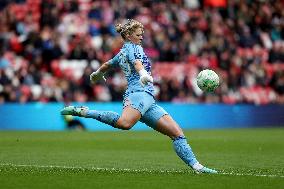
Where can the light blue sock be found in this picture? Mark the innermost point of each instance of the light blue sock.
(184, 151)
(107, 117)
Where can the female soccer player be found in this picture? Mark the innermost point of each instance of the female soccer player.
(139, 103)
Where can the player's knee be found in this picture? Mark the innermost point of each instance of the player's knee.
(124, 124)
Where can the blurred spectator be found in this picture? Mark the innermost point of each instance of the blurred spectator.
(49, 48)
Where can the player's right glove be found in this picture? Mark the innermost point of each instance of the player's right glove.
(97, 75)
(145, 77)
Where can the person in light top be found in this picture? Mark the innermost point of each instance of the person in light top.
(139, 102)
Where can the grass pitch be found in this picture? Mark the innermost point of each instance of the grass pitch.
(246, 158)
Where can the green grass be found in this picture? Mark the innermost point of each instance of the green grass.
(246, 158)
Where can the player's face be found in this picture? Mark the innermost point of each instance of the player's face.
(137, 36)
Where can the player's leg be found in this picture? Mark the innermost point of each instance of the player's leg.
(135, 105)
(108, 117)
(167, 126)
(128, 118)
(157, 118)
(126, 121)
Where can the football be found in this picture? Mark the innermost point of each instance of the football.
(207, 80)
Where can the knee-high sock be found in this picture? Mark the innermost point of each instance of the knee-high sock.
(107, 117)
(184, 151)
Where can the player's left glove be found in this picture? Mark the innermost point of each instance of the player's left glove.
(97, 75)
(145, 77)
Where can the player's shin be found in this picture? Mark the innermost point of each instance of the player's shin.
(107, 117)
(184, 151)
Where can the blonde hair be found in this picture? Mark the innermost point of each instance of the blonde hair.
(128, 28)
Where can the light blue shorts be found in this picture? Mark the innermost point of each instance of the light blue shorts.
(146, 105)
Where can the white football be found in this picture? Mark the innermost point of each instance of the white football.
(207, 80)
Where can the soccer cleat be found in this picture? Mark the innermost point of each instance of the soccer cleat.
(198, 168)
(75, 111)
(206, 170)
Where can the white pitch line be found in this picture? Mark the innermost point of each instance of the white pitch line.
(132, 170)
(250, 174)
(94, 168)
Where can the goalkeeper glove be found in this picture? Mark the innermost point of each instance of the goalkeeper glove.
(145, 77)
(97, 75)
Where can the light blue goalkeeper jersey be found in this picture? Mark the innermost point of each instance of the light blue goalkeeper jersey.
(125, 59)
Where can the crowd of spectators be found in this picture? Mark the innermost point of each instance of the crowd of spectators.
(48, 49)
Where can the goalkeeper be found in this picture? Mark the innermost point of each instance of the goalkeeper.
(139, 103)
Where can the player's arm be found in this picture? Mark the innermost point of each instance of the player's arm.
(99, 74)
(144, 76)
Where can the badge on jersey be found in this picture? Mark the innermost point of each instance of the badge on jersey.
(138, 56)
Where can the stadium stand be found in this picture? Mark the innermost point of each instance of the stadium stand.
(48, 48)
